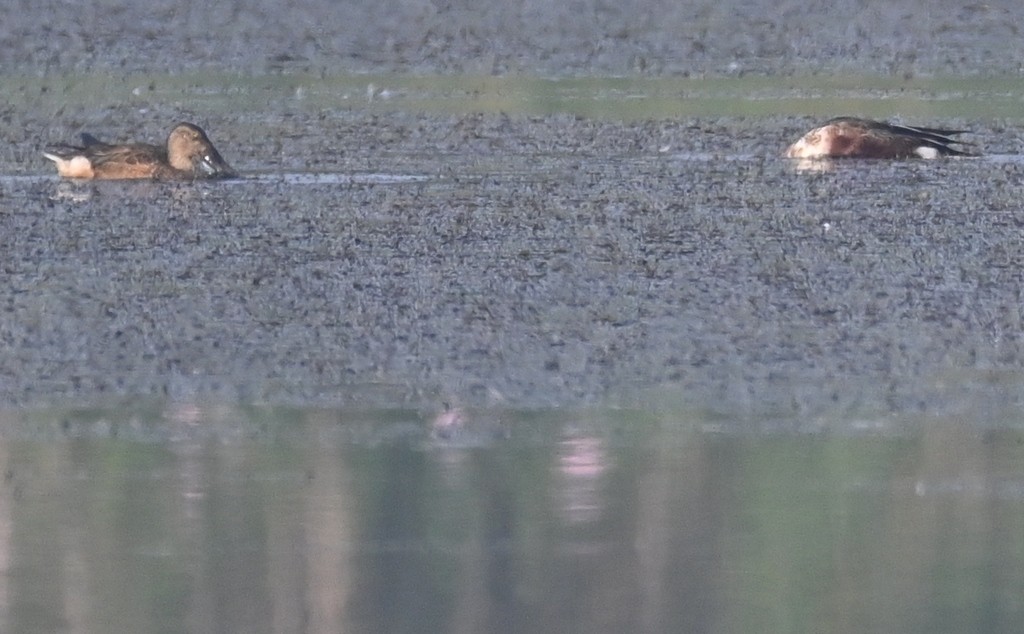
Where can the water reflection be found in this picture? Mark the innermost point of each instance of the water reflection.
(812, 165)
(205, 519)
(72, 191)
(582, 460)
(332, 178)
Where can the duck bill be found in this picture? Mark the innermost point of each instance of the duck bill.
(211, 165)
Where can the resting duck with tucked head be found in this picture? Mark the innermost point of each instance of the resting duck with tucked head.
(849, 137)
(189, 155)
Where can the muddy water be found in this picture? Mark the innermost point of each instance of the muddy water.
(526, 261)
(632, 37)
(562, 348)
(488, 372)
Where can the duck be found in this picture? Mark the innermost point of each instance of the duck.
(851, 137)
(188, 155)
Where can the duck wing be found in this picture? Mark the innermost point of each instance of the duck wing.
(129, 154)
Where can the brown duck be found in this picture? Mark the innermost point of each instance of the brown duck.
(189, 155)
(849, 137)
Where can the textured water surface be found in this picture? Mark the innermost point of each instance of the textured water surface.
(516, 321)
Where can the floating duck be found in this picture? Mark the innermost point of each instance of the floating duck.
(850, 137)
(189, 155)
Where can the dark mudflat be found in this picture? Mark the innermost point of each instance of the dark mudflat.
(523, 260)
(478, 259)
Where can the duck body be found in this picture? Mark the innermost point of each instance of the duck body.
(850, 137)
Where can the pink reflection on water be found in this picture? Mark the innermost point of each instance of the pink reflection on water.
(448, 423)
(582, 461)
(185, 413)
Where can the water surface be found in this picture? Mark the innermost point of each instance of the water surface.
(191, 518)
(533, 352)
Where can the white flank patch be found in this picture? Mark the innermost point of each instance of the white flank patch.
(926, 152)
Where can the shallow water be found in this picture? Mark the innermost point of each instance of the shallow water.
(558, 261)
(658, 390)
(511, 329)
(188, 518)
